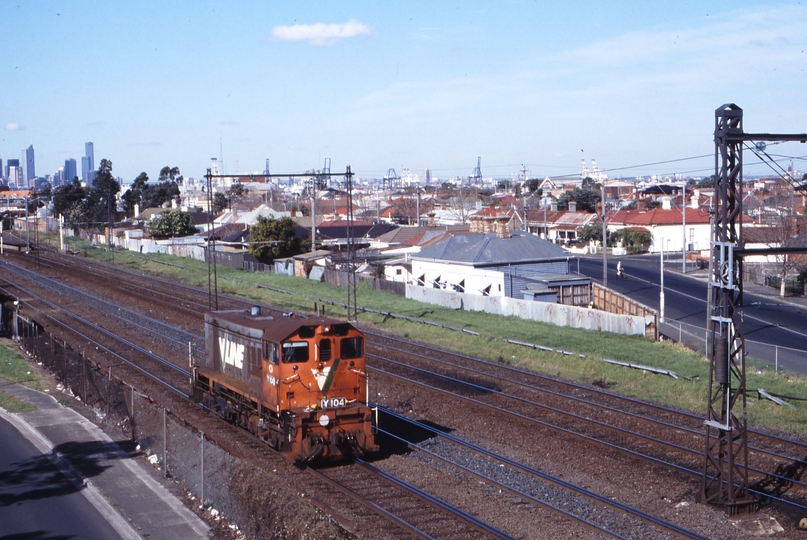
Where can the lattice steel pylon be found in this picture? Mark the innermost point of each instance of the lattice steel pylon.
(725, 471)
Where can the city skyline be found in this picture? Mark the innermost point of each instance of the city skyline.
(415, 86)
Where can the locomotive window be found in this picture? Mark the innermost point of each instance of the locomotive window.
(324, 350)
(340, 329)
(295, 351)
(306, 332)
(270, 351)
(351, 347)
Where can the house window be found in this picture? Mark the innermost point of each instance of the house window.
(398, 271)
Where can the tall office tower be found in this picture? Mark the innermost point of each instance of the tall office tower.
(2, 171)
(11, 163)
(30, 167)
(15, 175)
(69, 170)
(88, 163)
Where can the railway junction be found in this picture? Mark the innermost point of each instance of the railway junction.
(447, 425)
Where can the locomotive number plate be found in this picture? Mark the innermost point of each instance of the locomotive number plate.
(329, 403)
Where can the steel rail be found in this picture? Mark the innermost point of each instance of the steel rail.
(588, 438)
(103, 347)
(577, 386)
(369, 504)
(585, 388)
(536, 473)
(597, 406)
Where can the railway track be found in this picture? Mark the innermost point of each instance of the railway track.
(599, 417)
(487, 376)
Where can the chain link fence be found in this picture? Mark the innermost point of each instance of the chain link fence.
(776, 356)
(180, 451)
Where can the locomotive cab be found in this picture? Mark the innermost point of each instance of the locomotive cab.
(299, 384)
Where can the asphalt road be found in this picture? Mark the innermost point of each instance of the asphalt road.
(775, 331)
(37, 501)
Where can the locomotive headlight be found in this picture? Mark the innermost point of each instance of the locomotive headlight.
(324, 420)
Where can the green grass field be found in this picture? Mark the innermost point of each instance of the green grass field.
(687, 392)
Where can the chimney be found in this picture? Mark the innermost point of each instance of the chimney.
(572, 206)
(696, 197)
(293, 212)
(553, 207)
(502, 230)
(665, 203)
(431, 219)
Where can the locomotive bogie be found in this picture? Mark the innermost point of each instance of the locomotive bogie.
(298, 384)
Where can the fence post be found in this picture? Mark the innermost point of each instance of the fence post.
(202, 439)
(776, 348)
(165, 447)
(84, 373)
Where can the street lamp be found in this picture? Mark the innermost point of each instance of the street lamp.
(604, 241)
(661, 294)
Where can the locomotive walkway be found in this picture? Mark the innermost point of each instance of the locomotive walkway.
(135, 504)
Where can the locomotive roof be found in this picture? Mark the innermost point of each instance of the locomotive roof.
(265, 327)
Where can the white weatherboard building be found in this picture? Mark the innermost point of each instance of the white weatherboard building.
(498, 264)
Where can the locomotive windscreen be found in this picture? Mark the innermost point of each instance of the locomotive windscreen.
(351, 347)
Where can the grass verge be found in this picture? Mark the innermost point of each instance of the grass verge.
(15, 369)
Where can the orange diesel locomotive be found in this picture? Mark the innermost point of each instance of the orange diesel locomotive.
(300, 384)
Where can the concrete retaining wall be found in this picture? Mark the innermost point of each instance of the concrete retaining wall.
(558, 314)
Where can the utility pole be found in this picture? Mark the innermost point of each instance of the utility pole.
(661, 281)
(684, 246)
(524, 172)
(313, 215)
(604, 240)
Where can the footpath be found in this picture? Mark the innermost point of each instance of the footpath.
(749, 287)
(135, 504)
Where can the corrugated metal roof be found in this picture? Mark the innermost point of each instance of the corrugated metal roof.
(481, 249)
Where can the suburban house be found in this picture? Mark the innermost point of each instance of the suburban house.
(561, 227)
(489, 218)
(666, 226)
(502, 263)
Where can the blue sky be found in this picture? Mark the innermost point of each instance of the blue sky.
(379, 85)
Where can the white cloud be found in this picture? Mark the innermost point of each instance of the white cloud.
(320, 33)
(13, 126)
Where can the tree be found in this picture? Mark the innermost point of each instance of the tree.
(68, 201)
(170, 175)
(271, 239)
(586, 199)
(707, 182)
(220, 202)
(102, 196)
(783, 230)
(172, 223)
(634, 241)
(135, 194)
(590, 232)
(649, 205)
